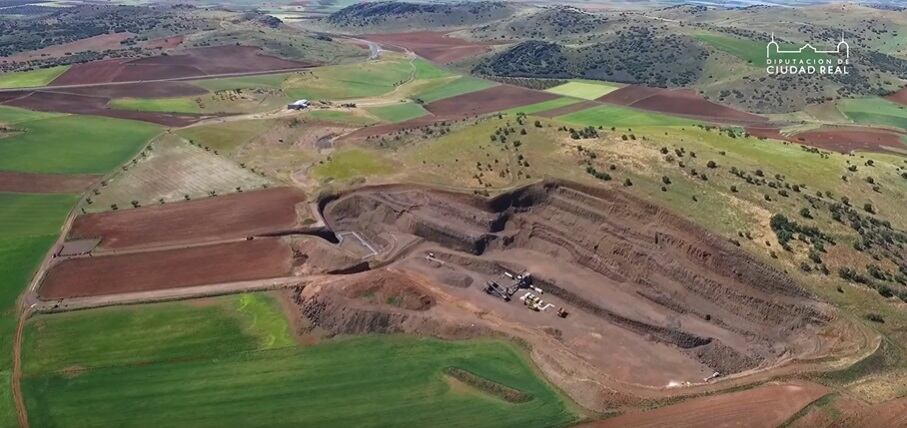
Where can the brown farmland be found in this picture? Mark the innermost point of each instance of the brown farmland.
(216, 218)
(767, 406)
(91, 105)
(899, 97)
(433, 46)
(197, 62)
(682, 102)
(26, 182)
(138, 90)
(157, 270)
(501, 97)
(846, 139)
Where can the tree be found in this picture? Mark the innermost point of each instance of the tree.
(869, 208)
(805, 212)
(712, 164)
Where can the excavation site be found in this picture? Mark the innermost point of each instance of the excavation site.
(602, 285)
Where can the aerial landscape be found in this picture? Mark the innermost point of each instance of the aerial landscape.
(333, 213)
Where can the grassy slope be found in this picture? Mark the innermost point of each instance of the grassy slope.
(29, 225)
(608, 116)
(73, 144)
(351, 163)
(875, 111)
(273, 81)
(544, 105)
(341, 117)
(170, 105)
(224, 137)
(365, 79)
(13, 115)
(398, 112)
(751, 51)
(583, 89)
(463, 85)
(214, 364)
(33, 78)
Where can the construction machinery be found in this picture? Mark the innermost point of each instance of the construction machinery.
(561, 312)
(534, 302)
(495, 289)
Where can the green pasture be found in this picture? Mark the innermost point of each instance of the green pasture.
(609, 115)
(168, 105)
(365, 79)
(200, 364)
(225, 137)
(32, 78)
(427, 70)
(585, 89)
(398, 112)
(73, 144)
(875, 111)
(14, 115)
(751, 51)
(544, 105)
(341, 117)
(269, 81)
(463, 85)
(351, 163)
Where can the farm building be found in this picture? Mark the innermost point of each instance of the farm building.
(298, 105)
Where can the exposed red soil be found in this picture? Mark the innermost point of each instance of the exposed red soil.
(431, 45)
(766, 406)
(560, 111)
(184, 267)
(97, 43)
(846, 139)
(501, 97)
(196, 62)
(761, 132)
(899, 97)
(888, 414)
(165, 42)
(139, 90)
(223, 217)
(683, 102)
(90, 105)
(25, 182)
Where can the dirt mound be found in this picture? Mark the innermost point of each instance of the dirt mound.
(25, 182)
(314, 255)
(390, 288)
(765, 406)
(624, 266)
(217, 218)
(157, 270)
(433, 46)
(195, 62)
(845, 139)
(683, 102)
(92, 105)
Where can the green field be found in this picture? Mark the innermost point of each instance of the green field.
(225, 137)
(875, 111)
(544, 105)
(351, 163)
(73, 144)
(367, 79)
(751, 51)
(427, 70)
(585, 89)
(341, 117)
(463, 85)
(168, 105)
(29, 225)
(13, 115)
(33, 78)
(398, 112)
(271, 81)
(214, 363)
(608, 116)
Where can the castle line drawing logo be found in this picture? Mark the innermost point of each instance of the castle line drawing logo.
(807, 59)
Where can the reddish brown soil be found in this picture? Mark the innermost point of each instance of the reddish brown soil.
(760, 132)
(97, 43)
(196, 62)
(90, 105)
(766, 406)
(847, 139)
(223, 217)
(567, 109)
(45, 183)
(683, 102)
(184, 267)
(899, 97)
(888, 414)
(165, 42)
(139, 90)
(501, 97)
(431, 45)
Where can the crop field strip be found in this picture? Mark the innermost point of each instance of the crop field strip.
(240, 348)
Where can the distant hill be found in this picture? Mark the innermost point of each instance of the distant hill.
(401, 16)
(544, 23)
(636, 55)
